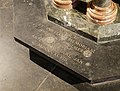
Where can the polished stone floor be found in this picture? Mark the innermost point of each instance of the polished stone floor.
(17, 71)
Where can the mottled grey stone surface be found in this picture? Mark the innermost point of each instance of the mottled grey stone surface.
(5, 3)
(104, 86)
(17, 71)
(53, 83)
(81, 55)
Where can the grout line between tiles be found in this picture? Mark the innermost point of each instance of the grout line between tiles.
(36, 89)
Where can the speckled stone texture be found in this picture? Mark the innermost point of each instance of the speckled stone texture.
(99, 63)
(17, 71)
(78, 54)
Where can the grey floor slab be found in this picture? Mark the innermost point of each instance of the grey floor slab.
(53, 83)
(5, 3)
(113, 85)
(17, 72)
